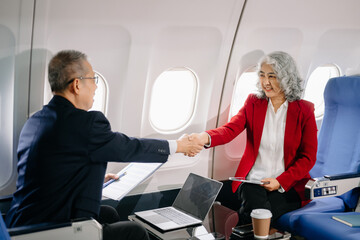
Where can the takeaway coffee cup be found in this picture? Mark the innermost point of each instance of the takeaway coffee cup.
(261, 223)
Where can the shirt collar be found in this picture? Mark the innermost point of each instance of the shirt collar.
(59, 100)
(283, 106)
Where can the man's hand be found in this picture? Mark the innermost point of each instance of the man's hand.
(200, 138)
(110, 176)
(187, 146)
(271, 184)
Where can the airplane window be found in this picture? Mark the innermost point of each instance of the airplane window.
(173, 99)
(245, 85)
(316, 85)
(101, 95)
(100, 98)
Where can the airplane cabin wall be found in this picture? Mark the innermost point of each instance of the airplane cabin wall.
(15, 45)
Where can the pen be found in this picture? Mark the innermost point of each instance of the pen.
(112, 180)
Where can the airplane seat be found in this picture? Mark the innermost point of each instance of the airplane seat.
(322, 226)
(88, 229)
(5, 202)
(77, 229)
(338, 153)
(4, 235)
(224, 213)
(289, 221)
(224, 219)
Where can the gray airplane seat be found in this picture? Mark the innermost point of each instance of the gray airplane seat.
(83, 229)
(80, 229)
(336, 174)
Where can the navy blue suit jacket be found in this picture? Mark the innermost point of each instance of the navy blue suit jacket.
(63, 153)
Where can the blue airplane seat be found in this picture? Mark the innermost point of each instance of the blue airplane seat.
(322, 226)
(338, 153)
(4, 235)
(289, 221)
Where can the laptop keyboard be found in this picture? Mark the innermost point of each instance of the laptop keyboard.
(174, 216)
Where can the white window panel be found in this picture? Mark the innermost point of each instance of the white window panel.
(101, 95)
(314, 91)
(173, 100)
(245, 85)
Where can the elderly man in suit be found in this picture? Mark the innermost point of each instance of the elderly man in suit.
(64, 149)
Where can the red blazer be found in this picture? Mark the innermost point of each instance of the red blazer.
(300, 141)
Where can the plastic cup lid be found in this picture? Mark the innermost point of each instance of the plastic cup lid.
(261, 213)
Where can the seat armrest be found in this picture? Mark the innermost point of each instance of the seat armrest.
(79, 229)
(6, 198)
(36, 228)
(5, 202)
(342, 176)
(43, 226)
(331, 185)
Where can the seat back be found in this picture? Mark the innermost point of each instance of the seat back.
(339, 136)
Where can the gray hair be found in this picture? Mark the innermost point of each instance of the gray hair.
(63, 66)
(286, 72)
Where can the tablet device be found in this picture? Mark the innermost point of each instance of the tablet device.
(241, 179)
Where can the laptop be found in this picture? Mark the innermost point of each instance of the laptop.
(190, 207)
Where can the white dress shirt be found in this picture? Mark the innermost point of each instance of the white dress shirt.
(270, 159)
(172, 146)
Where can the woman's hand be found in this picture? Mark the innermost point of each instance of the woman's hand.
(270, 184)
(110, 176)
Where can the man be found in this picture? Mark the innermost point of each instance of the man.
(64, 149)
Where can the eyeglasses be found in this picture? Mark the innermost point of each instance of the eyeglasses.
(96, 79)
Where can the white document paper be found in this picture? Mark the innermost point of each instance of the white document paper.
(135, 174)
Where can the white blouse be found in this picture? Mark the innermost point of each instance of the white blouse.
(270, 160)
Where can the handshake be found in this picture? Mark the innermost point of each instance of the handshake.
(192, 144)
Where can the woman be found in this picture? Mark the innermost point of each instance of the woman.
(281, 140)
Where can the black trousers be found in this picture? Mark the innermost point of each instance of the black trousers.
(114, 229)
(253, 196)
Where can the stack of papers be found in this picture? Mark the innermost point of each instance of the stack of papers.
(135, 173)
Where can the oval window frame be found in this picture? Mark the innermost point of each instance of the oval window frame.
(105, 97)
(319, 101)
(241, 97)
(194, 96)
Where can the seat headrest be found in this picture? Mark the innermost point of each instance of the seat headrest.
(340, 91)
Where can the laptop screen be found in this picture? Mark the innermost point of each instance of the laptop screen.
(197, 195)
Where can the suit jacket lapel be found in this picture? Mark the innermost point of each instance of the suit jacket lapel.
(290, 129)
(259, 120)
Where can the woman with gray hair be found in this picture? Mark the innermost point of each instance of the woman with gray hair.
(281, 140)
(287, 75)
